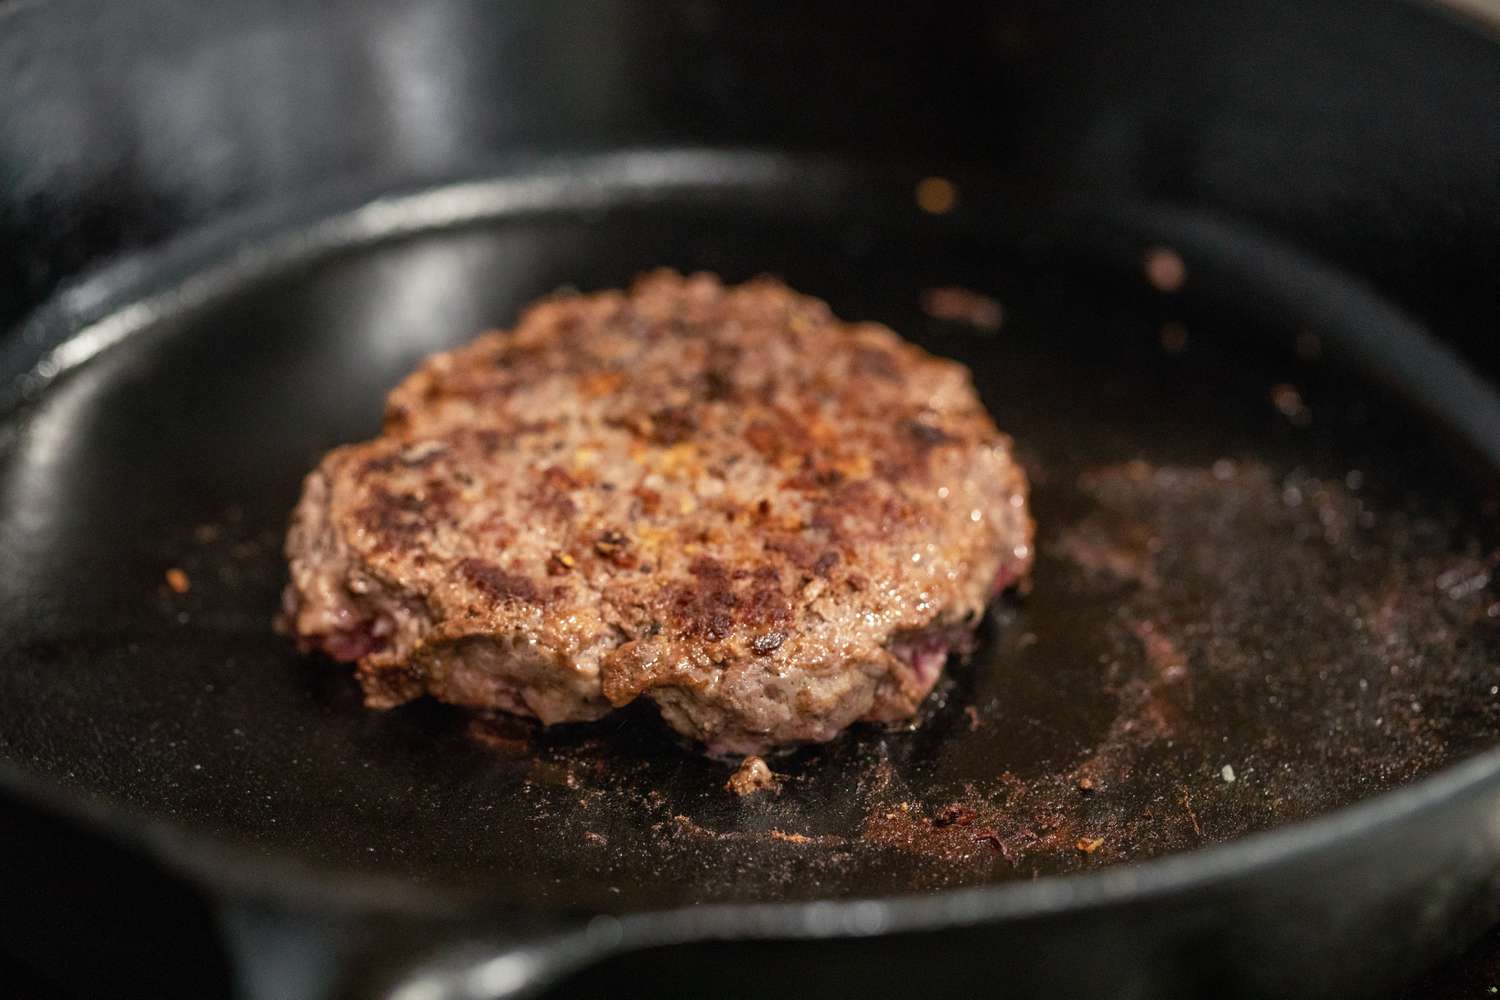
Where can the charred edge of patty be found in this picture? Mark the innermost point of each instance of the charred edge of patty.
(921, 654)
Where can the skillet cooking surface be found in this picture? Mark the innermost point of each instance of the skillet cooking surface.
(1248, 561)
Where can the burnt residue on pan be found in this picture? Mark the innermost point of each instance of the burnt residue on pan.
(1262, 589)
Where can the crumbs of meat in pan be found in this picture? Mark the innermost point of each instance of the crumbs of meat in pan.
(962, 305)
(752, 776)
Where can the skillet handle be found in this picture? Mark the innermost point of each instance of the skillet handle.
(275, 953)
(471, 970)
(278, 954)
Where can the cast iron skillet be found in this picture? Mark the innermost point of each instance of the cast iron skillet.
(1236, 739)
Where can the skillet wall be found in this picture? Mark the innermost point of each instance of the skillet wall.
(1367, 133)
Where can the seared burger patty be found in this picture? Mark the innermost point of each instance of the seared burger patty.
(769, 522)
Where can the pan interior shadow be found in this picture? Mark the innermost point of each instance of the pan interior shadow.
(1261, 592)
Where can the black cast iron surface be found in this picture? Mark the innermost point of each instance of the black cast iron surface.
(1473, 976)
(1262, 592)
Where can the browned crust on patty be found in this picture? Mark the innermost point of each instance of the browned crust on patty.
(722, 498)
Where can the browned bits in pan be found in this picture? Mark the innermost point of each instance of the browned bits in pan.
(1164, 269)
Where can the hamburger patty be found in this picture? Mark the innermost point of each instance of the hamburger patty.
(771, 523)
